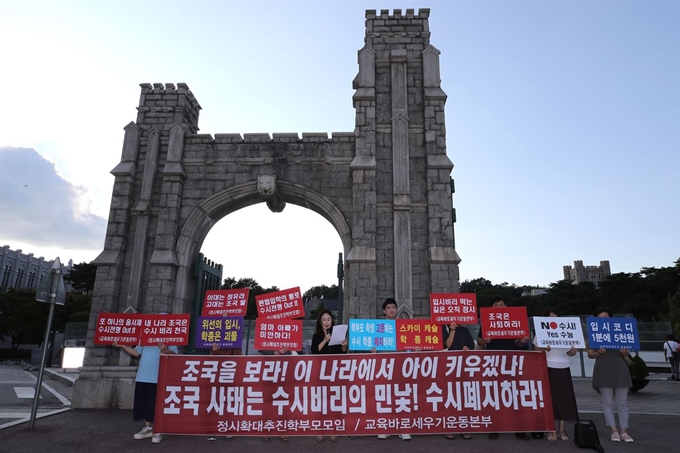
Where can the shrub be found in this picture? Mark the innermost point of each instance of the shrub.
(15, 354)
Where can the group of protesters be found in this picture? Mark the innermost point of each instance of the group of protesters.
(611, 378)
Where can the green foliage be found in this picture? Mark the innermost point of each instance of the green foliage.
(314, 313)
(674, 311)
(322, 292)
(24, 320)
(652, 294)
(15, 354)
(255, 290)
(476, 285)
(81, 277)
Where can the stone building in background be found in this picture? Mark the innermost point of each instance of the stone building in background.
(23, 271)
(580, 273)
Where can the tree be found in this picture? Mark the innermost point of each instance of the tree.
(319, 308)
(569, 299)
(322, 292)
(475, 285)
(674, 311)
(81, 277)
(24, 320)
(255, 290)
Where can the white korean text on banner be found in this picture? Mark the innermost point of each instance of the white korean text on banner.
(453, 307)
(142, 329)
(284, 304)
(613, 333)
(121, 328)
(504, 322)
(226, 302)
(276, 334)
(354, 394)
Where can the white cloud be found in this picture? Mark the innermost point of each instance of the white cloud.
(40, 208)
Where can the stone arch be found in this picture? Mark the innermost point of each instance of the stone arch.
(385, 187)
(204, 216)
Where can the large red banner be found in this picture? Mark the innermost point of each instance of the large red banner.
(354, 394)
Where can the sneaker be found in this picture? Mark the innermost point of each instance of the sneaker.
(147, 431)
(616, 437)
(383, 436)
(405, 436)
(210, 439)
(626, 438)
(156, 438)
(228, 437)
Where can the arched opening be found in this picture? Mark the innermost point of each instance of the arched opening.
(296, 247)
(246, 199)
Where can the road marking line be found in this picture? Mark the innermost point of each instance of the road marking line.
(58, 395)
(28, 417)
(25, 392)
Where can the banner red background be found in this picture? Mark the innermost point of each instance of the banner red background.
(354, 394)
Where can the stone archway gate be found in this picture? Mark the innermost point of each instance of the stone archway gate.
(385, 188)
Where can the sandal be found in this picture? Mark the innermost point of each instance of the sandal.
(319, 438)
(466, 436)
(450, 436)
(552, 437)
(564, 437)
(334, 438)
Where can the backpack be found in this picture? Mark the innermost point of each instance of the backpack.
(674, 353)
(585, 435)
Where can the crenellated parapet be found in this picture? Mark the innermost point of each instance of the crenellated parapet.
(163, 105)
(396, 26)
(283, 137)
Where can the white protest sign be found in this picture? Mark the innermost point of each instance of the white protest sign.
(559, 332)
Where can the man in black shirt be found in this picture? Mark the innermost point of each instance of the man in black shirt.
(503, 344)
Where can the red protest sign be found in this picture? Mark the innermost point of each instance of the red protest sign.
(226, 302)
(354, 394)
(418, 335)
(169, 329)
(123, 328)
(275, 334)
(285, 304)
(446, 308)
(506, 322)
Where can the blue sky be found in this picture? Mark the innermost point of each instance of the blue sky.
(563, 123)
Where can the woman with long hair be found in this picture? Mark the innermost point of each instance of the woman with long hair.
(561, 386)
(320, 344)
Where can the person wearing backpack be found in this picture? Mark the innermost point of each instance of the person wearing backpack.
(672, 355)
